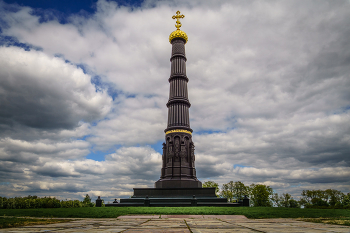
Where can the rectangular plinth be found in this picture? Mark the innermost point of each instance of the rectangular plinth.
(174, 192)
(175, 197)
(174, 202)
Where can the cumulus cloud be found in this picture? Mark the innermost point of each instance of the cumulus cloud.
(268, 86)
(114, 177)
(134, 121)
(45, 92)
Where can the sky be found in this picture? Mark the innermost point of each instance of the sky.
(84, 87)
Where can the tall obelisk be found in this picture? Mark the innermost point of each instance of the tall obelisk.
(178, 168)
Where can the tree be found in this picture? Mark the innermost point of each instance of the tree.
(234, 191)
(328, 197)
(227, 191)
(212, 184)
(87, 201)
(260, 195)
(346, 201)
(286, 197)
(334, 196)
(240, 190)
(293, 203)
(276, 200)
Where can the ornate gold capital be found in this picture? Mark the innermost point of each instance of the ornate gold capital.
(178, 131)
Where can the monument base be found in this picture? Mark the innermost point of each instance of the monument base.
(169, 183)
(176, 197)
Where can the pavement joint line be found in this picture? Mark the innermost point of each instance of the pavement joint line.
(137, 226)
(188, 226)
(241, 226)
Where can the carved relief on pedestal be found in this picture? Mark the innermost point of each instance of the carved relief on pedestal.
(169, 152)
(184, 149)
(164, 152)
(192, 154)
(177, 148)
(183, 153)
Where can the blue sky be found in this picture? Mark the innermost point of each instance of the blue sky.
(83, 88)
(66, 7)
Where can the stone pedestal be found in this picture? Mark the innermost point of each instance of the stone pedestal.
(174, 197)
(165, 183)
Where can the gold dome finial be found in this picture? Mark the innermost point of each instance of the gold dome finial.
(178, 33)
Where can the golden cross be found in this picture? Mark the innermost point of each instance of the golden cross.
(177, 17)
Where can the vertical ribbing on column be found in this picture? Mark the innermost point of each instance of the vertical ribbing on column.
(187, 120)
(180, 114)
(171, 89)
(178, 88)
(178, 97)
(173, 115)
(183, 114)
(176, 114)
(175, 87)
(169, 122)
(169, 117)
(182, 88)
(173, 108)
(184, 107)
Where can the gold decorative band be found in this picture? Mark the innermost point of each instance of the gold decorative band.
(178, 131)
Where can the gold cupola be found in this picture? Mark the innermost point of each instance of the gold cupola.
(178, 33)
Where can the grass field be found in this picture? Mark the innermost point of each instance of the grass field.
(113, 212)
(337, 221)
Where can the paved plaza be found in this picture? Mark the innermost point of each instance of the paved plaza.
(183, 224)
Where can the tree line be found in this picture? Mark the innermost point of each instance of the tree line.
(34, 202)
(263, 195)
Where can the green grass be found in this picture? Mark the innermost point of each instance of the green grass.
(337, 221)
(113, 212)
(6, 222)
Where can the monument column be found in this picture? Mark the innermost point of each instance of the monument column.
(178, 184)
(178, 165)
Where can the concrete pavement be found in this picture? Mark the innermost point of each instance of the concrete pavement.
(183, 224)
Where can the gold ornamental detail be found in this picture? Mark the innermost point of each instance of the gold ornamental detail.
(178, 17)
(178, 33)
(178, 131)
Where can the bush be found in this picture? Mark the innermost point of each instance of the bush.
(34, 202)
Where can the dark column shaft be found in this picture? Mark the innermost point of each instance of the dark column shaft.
(178, 104)
(178, 169)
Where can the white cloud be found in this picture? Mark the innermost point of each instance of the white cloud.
(268, 86)
(42, 91)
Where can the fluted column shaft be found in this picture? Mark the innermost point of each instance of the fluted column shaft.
(178, 169)
(178, 104)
